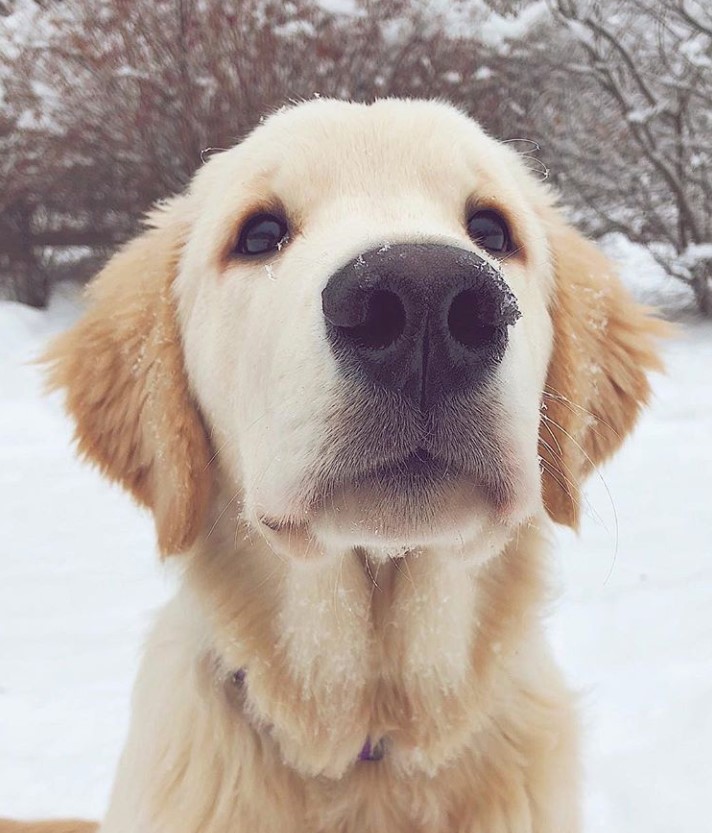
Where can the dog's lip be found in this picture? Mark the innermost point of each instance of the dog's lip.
(415, 502)
(419, 464)
(420, 474)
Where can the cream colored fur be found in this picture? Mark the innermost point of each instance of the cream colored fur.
(216, 401)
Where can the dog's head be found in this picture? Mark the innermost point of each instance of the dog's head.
(370, 324)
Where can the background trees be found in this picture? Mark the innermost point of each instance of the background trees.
(107, 105)
(649, 65)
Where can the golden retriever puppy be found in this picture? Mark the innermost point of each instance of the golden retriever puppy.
(355, 371)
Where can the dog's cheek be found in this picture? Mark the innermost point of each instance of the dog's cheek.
(523, 372)
(294, 388)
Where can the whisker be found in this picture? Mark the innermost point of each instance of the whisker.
(232, 440)
(595, 468)
(225, 508)
(374, 578)
(545, 422)
(404, 574)
(558, 397)
(569, 481)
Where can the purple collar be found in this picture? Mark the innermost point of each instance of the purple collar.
(369, 752)
(372, 753)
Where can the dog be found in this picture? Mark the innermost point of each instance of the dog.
(356, 371)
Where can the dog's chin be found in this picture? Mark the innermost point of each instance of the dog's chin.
(409, 507)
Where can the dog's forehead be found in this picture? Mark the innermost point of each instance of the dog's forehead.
(319, 149)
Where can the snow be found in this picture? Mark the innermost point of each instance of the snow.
(476, 19)
(632, 627)
(644, 114)
(696, 51)
(78, 585)
(342, 7)
(697, 253)
(497, 29)
(645, 276)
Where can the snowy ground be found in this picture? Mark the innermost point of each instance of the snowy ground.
(633, 627)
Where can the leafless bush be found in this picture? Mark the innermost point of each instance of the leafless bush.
(108, 104)
(639, 155)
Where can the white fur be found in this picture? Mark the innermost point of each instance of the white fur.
(347, 629)
(356, 177)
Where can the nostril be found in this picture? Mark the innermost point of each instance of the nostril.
(383, 323)
(468, 320)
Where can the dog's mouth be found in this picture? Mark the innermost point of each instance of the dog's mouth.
(391, 478)
(408, 503)
(418, 470)
(414, 476)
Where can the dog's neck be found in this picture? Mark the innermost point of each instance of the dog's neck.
(342, 650)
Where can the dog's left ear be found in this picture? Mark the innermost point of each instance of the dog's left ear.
(604, 346)
(126, 388)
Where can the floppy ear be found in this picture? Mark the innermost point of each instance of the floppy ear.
(597, 377)
(122, 369)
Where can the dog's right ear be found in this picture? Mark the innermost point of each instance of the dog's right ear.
(122, 369)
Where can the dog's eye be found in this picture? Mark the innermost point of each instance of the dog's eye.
(490, 231)
(262, 234)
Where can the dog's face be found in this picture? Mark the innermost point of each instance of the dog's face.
(372, 374)
(352, 322)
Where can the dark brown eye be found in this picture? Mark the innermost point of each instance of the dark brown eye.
(490, 231)
(261, 234)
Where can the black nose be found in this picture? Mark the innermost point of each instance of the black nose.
(428, 320)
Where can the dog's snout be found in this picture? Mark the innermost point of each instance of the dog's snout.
(428, 320)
